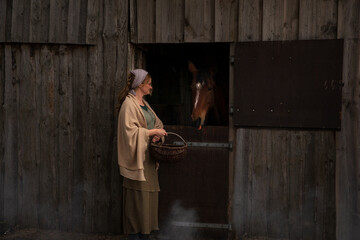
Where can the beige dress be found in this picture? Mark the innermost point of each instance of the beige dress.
(140, 198)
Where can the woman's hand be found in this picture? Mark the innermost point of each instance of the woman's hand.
(158, 133)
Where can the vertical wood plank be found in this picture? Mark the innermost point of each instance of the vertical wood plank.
(10, 136)
(348, 152)
(58, 21)
(318, 19)
(2, 130)
(39, 21)
(242, 184)
(27, 138)
(250, 20)
(120, 81)
(146, 17)
(280, 20)
(340, 20)
(3, 12)
(66, 136)
(277, 201)
(133, 21)
(298, 143)
(47, 179)
(92, 22)
(226, 19)
(169, 21)
(199, 21)
(79, 73)
(259, 139)
(73, 21)
(20, 21)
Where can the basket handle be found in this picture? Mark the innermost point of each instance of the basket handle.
(172, 133)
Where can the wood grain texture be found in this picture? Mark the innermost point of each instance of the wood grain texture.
(92, 22)
(28, 169)
(10, 135)
(226, 18)
(199, 21)
(348, 152)
(285, 180)
(58, 21)
(39, 21)
(317, 19)
(2, 130)
(280, 20)
(20, 21)
(169, 21)
(146, 29)
(3, 12)
(250, 20)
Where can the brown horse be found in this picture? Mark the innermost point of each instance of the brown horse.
(206, 96)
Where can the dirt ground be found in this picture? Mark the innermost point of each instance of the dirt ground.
(36, 234)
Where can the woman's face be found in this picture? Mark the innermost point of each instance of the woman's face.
(146, 86)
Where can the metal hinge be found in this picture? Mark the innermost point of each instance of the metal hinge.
(228, 145)
(201, 225)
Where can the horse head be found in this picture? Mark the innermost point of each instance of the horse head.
(202, 88)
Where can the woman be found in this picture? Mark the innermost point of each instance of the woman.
(137, 126)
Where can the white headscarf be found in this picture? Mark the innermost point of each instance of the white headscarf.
(140, 76)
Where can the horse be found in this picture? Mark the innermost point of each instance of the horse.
(207, 97)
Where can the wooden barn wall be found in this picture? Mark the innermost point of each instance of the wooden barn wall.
(57, 125)
(348, 147)
(49, 21)
(58, 158)
(284, 180)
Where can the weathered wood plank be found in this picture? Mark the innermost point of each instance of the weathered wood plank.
(20, 21)
(39, 21)
(80, 123)
(277, 201)
(258, 177)
(199, 21)
(66, 136)
(73, 22)
(169, 21)
(348, 152)
(318, 19)
(250, 20)
(145, 13)
(58, 21)
(297, 143)
(28, 170)
(2, 130)
(10, 136)
(3, 12)
(340, 20)
(120, 81)
(47, 165)
(226, 19)
(280, 20)
(92, 22)
(242, 184)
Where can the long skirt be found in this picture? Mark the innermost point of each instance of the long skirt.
(140, 211)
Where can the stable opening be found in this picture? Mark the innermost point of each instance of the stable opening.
(172, 97)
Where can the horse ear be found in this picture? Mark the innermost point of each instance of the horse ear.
(192, 67)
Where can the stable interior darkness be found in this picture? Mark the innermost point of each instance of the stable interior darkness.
(168, 66)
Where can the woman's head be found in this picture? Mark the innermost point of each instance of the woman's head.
(138, 79)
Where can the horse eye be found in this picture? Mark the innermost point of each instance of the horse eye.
(209, 89)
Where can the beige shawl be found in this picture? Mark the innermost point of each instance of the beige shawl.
(133, 138)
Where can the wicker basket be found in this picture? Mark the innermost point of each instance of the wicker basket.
(170, 153)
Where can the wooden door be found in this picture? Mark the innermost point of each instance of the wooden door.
(194, 192)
